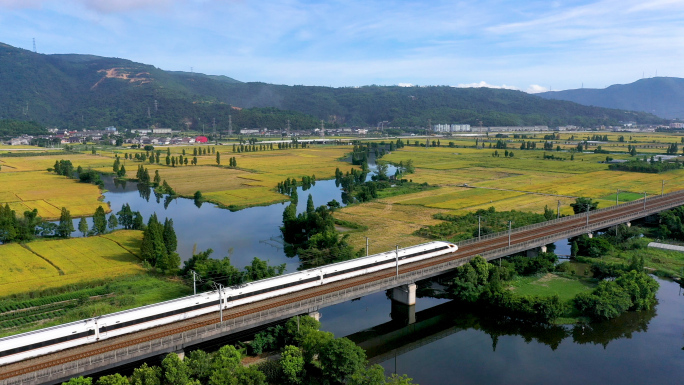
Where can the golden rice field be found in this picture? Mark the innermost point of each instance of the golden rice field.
(254, 181)
(388, 224)
(526, 182)
(48, 193)
(45, 264)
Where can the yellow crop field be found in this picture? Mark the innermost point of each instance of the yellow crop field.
(466, 197)
(19, 264)
(46, 264)
(528, 202)
(187, 180)
(241, 198)
(42, 163)
(388, 224)
(48, 193)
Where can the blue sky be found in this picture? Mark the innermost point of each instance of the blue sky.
(527, 45)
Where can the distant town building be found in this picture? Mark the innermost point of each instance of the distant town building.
(110, 129)
(676, 125)
(201, 139)
(246, 131)
(161, 130)
(451, 127)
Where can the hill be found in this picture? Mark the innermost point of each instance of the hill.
(81, 91)
(661, 96)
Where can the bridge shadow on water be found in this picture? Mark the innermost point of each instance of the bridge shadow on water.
(399, 336)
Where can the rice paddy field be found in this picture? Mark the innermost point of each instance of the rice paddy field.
(472, 179)
(45, 264)
(47, 192)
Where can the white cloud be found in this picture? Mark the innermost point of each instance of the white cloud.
(535, 89)
(484, 84)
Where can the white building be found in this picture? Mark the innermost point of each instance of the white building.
(451, 127)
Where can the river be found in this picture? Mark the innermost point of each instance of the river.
(459, 347)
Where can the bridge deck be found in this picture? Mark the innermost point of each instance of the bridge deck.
(116, 351)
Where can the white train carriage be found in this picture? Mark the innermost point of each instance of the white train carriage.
(48, 340)
(57, 338)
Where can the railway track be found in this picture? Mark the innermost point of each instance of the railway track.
(469, 250)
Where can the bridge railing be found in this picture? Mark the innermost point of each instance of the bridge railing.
(568, 218)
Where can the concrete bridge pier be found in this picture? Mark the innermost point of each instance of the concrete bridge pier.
(535, 252)
(404, 303)
(180, 353)
(315, 315)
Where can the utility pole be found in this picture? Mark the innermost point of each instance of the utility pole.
(230, 125)
(220, 288)
(662, 189)
(287, 133)
(558, 210)
(617, 197)
(427, 138)
(34, 45)
(509, 232)
(588, 206)
(644, 200)
(194, 286)
(479, 121)
(479, 228)
(397, 254)
(213, 124)
(322, 129)
(156, 105)
(366, 246)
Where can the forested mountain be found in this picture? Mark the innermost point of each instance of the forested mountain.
(81, 91)
(661, 96)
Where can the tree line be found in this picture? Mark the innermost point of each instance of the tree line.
(306, 356)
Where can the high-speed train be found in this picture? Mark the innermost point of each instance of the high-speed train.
(57, 338)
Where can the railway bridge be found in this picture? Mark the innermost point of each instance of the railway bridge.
(109, 353)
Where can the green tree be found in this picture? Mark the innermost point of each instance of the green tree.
(373, 375)
(224, 366)
(292, 363)
(574, 249)
(582, 205)
(199, 364)
(218, 158)
(79, 381)
(83, 227)
(310, 209)
(157, 177)
(174, 371)
(112, 379)
(340, 358)
(152, 248)
(66, 224)
(99, 221)
(260, 269)
(396, 379)
(112, 222)
(146, 375)
(170, 240)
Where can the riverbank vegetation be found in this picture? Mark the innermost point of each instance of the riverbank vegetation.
(305, 356)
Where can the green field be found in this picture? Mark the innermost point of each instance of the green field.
(550, 284)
